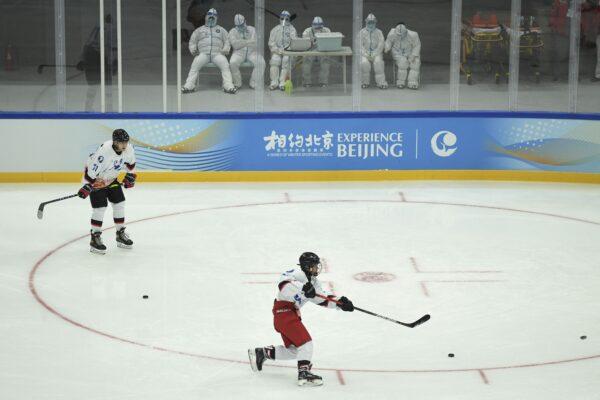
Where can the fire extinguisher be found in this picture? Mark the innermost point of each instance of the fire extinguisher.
(10, 61)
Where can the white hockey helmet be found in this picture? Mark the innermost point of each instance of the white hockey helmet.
(317, 23)
(211, 17)
(371, 22)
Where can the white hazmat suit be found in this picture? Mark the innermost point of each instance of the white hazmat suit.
(209, 43)
(279, 40)
(372, 44)
(308, 61)
(406, 51)
(243, 41)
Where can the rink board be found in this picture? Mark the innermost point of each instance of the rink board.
(311, 146)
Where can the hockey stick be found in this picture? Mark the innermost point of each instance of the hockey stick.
(40, 213)
(414, 324)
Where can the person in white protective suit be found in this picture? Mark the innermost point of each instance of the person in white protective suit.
(209, 43)
(372, 44)
(243, 41)
(406, 50)
(279, 40)
(317, 26)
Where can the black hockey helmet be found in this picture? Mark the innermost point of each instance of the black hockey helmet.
(120, 135)
(310, 263)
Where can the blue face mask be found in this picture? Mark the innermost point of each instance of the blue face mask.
(241, 28)
(371, 26)
(211, 21)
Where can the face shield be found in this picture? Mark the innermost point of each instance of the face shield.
(240, 23)
(402, 31)
(371, 22)
(211, 18)
(315, 269)
(317, 24)
(284, 18)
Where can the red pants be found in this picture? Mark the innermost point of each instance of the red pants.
(288, 323)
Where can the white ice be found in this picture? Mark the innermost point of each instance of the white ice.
(510, 292)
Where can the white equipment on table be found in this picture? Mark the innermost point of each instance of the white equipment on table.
(299, 44)
(329, 41)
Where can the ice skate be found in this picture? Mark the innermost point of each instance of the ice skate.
(307, 378)
(123, 240)
(257, 358)
(96, 245)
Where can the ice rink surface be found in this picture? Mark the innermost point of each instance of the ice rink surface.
(510, 273)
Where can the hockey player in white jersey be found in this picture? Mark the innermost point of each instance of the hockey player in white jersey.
(209, 43)
(243, 41)
(279, 39)
(324, 63)
(406, 50)
(372, 44)
(297, 287)
(101, 185)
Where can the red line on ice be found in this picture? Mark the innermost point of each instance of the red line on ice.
(413, 261)
(340, 377)
(483, 376)
(466, 280)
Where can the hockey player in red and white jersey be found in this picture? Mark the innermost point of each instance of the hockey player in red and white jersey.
(101, 185)
(297, 287)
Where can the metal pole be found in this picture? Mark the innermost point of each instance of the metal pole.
(119, 58)
(164, 54)
(178, 88)
(102, 63)
(575, 12)
(60, 58)
(259, 25)
(357, 18)
(513, 59)
(455, 50)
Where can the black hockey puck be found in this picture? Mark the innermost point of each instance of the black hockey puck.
(145, 296)
(583, 337)
(450, 355)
